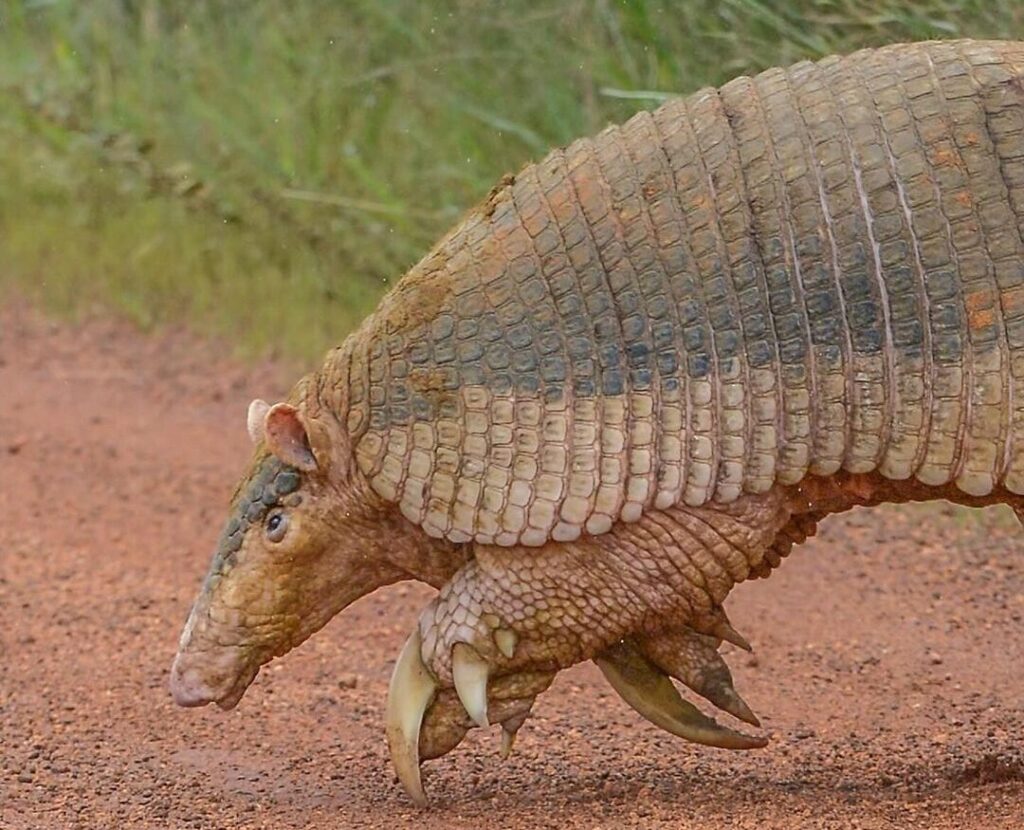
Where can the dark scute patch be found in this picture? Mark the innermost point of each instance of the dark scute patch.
(728, 343)
(398, 414)
(1015, 332)
(473, 375)
(637, 352)
(641, 378)
(613, 382)
(268, 485)
(554, 394)
(553, 369)
(524, 362)
(698, 365)
(231, 543)
(529, 383)
(792, 351)
(286, 480)
(663, 334)
(760, 354)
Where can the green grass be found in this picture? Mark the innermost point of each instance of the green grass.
(265, 170)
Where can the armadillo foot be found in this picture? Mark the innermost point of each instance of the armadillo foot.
(426, 720)
(649, 690)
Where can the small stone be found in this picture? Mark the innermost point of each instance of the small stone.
(348, 681)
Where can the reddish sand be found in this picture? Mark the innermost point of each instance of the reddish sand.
(889, 663)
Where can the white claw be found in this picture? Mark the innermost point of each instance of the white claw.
(411, 692)
(469, 671)
(505, 639)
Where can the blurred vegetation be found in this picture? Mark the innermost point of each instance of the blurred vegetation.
(266, 169)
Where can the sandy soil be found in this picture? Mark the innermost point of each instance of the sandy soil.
(889, 661)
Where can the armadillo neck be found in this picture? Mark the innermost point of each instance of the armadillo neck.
(820, 268)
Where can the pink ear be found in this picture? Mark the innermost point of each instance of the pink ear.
(286, 437)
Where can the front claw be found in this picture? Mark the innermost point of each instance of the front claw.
(411, 691)
(470, 673)
(425, 720)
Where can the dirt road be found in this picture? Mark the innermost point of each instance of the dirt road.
(889, 660)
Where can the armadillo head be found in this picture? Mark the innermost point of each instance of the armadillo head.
(296, 549)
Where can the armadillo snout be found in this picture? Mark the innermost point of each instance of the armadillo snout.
(187, 686)
(218, 676)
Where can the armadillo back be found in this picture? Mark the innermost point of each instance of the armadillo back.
(815, 269)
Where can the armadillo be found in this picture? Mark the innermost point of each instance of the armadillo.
(637, 374)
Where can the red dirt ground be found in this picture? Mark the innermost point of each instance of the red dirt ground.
(889, 665)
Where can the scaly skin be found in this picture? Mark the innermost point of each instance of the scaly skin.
(637, 374)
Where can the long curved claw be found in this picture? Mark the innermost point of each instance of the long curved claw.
(693, 659)
(411, 691)
(650, 692)
(469, 673)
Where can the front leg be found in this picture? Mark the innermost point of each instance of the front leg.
(528, 612)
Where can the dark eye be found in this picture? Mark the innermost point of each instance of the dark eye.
(277, 526)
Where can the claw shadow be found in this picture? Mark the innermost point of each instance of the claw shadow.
(551, 779)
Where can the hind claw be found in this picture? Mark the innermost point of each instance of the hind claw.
(718, 625)
(728, 700)
(693, 659)
(650, 691)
